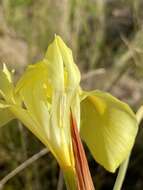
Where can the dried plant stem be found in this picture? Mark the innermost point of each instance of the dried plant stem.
(60, 181)
(123, 168)
(84, 180)
(122, 66)
(92, 73)
(21, 167)
(24, 153)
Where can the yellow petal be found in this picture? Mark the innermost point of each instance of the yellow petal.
(5, 114)
(31, 89)
(26, 118)
(37, 115)
(6, 86)
(73, 74)
(109, 128)
(33, 72)
(55, 66)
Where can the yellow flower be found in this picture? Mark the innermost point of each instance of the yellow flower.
(46, 94)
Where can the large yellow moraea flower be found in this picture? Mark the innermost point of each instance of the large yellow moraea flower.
(46, 94)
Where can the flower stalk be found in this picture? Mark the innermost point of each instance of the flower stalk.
(70, 178)
(124, 166)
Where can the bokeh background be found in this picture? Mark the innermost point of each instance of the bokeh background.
(106, 37)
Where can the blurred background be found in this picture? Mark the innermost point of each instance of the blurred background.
(106, 37)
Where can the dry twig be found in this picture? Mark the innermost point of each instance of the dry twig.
(22, 166)
(60, 181)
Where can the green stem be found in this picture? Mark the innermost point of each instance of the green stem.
(121, 174)
(70, 179)
(123, 168)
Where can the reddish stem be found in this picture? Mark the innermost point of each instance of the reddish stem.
(81, 164)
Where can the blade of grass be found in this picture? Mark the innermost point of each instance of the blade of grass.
(123, 168)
